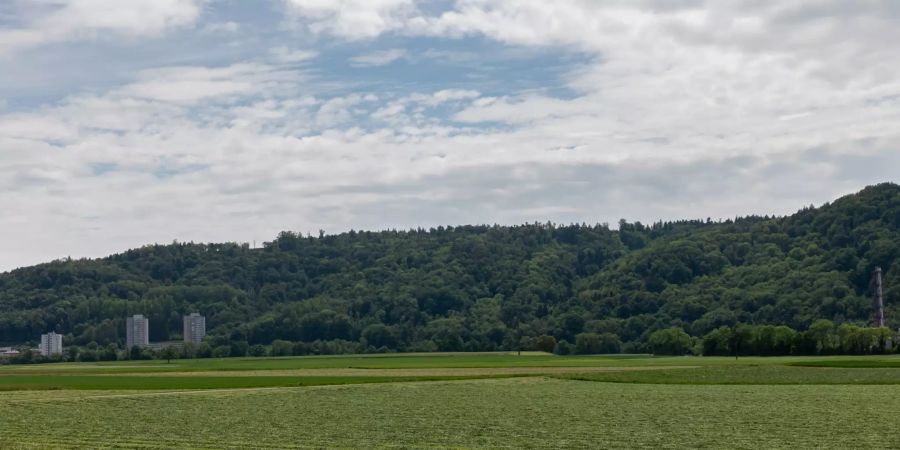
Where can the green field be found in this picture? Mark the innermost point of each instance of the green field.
(453, 401)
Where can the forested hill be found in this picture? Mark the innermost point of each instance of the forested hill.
(480, 287)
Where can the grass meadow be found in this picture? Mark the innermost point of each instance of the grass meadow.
(455, 401)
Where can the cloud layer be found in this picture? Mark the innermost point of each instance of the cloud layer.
(50, 21)
(398, 113)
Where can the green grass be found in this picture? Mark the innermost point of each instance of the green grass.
(459, 360)
(301, 371)
(82, 382)
(784, 402)
(418, 361)
(507, 413)
(748, 375)
(872, 362)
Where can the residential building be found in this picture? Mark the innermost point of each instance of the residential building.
(137, 331)
(194, 328)
(51, 344)
(178, 345)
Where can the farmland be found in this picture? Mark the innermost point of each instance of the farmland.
(455, 400)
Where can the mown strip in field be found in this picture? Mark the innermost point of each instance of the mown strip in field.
(87, 382)
(747, 375)
(441, 361)
(274, 378)
(413, 372)
(395, 361)
(871, 363)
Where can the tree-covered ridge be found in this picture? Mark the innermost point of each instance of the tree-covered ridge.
(480, 287)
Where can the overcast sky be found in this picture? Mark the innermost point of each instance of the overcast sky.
(124, 123)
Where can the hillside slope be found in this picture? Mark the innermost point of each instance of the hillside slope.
(480, 287)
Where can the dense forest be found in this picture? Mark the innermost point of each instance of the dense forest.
(556, 287)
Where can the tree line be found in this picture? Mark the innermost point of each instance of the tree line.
(822, 338)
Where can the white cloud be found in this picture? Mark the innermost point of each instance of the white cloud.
(221, 27)
(671, 110)
(711, 78)
(379, 58)
(389, 112)
(192, 84)
(36, 128)
(352, 19)
(60, 20)
(284, 54)
(341, 110)
(449, 95)
(413, 108)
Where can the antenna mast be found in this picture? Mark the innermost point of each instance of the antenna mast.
(879, 300)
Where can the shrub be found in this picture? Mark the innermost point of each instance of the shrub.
(593, 343)
(281, 348)
(545, 343)
(257, 350)
(222, 351)
(564, 347)
(670, 341)
(587, 343)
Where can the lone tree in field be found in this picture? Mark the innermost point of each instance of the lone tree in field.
(168, 354)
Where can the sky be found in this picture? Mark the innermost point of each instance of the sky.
(126, 123)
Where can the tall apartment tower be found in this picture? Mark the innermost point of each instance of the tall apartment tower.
(194, 328)
(51, 344)
(137, 331)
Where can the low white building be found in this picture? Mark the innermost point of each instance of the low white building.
(51, 344)
(164, 345)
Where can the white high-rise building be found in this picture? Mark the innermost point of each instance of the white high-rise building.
(51, 344)
(194, 328)
(137, 331)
